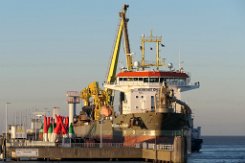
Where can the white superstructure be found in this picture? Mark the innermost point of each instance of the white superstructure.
(140, 88)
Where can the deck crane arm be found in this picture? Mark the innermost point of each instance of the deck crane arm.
(122, 30)
(126, 39)
(111, 75)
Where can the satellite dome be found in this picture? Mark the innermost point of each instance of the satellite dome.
(136, 64)
(170, 65)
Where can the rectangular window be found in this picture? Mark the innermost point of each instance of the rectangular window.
(154, 80)
(152, 103)
(162, 80)
(146, 80)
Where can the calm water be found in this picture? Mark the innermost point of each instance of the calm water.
(216, 149)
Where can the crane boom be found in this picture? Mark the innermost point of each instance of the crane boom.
(111, 75)
(126, 39)
(122, 29)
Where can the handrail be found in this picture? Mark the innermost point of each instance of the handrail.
(165, 147)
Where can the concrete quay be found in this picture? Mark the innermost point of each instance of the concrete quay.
(175, 153)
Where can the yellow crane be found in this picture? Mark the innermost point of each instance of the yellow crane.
(122, 30)
(105, 97)
(97, 96)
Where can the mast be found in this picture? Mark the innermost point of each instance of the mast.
(151, 39)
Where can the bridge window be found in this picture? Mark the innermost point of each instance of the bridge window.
(146, 80)
(154, 80)
(169, 81)
(181, 82)
(162, 80)
(136, 79)
(140, 79)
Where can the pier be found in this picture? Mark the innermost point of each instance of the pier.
(29, 150)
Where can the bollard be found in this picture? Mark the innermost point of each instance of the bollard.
(180, 154)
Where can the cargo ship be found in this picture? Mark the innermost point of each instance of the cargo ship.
(150, 106)
(151, 120)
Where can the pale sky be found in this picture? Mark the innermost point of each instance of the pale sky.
(49, 47)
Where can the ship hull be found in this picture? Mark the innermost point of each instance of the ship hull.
(132, 129)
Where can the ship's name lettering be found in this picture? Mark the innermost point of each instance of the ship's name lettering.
(148, 89)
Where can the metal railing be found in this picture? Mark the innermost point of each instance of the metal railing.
(40, 144)
(93, 145)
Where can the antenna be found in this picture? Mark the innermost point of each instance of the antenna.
(181, 69)
(20, 118)
(15, 123)
(179, 60)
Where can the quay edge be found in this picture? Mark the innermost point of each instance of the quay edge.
(175, 153)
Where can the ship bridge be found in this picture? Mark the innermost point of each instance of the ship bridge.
(178, 79)
(139, 88)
